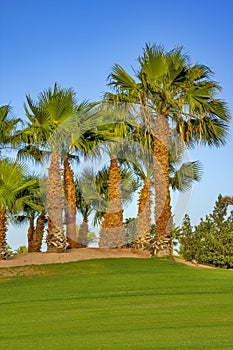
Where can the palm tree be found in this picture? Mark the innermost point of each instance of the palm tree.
(29, 213)
(85, 195)
(142, 166)
(13, 183)
(181, 178)
(54, 106)
(109, 208)
(37, 235)
(112, 233)
(57, 125)
(80, 140)
(173, 94)
(74, 136)
(113, 129)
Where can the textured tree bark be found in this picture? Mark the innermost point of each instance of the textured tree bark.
(142, 240)
(83, 232)
(70, 206)
(3, 230)
(163, 215)
(56, 241)
(30, 234)
(37, 237)
(112, 233)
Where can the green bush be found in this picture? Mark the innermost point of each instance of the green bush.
(211, 242)
(21, 250)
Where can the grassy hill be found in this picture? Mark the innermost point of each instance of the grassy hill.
(116, 304)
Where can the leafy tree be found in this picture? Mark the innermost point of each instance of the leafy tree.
(211, 241)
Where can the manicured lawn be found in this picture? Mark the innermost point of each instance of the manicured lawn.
(117, 304)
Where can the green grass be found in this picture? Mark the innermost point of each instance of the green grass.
(117, 304)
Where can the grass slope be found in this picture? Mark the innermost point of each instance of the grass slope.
(117, 304)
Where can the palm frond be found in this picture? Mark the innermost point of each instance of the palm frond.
(185, 176)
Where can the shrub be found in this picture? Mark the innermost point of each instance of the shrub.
(210, 242)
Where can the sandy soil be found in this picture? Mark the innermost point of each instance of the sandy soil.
(72, 255)
(80, 254)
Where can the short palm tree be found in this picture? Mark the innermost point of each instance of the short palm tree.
(173, 94)
(110, 194)
(114, 130)
(85, 197)
(29, 213)
(13, 183)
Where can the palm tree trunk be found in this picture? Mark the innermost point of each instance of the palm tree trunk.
(38, 233)
(144, 217)
(163, 215)
(56, 241)
(70, 207)
(112, 233)
(30, 234)
(83, 232)
(3, 229)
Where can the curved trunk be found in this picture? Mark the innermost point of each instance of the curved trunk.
(38, 233)
(163, 215)
(83, 232)
(56, 241)
(3, 229)
(30, 234)
(70, 206)
(144, 217)
(112, 233)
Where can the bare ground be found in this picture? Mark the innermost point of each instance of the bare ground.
(80, 254)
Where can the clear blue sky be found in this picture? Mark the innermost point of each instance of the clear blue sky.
(76, 43)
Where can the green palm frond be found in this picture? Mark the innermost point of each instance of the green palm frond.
(122, 80)
(16, 190)
(184, 177)
(8, 126)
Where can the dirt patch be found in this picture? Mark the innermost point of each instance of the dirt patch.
(72, 255)
(190, 263)
(29, 259)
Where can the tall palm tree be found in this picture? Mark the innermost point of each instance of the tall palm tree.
(174, 94)
(13, 183)
(181, 177)
(74, 136)
(58, 126)
(114, 129)
(79, 140)
(54, 106)
(142, 166)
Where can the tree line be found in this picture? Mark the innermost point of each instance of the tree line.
(142, 125)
